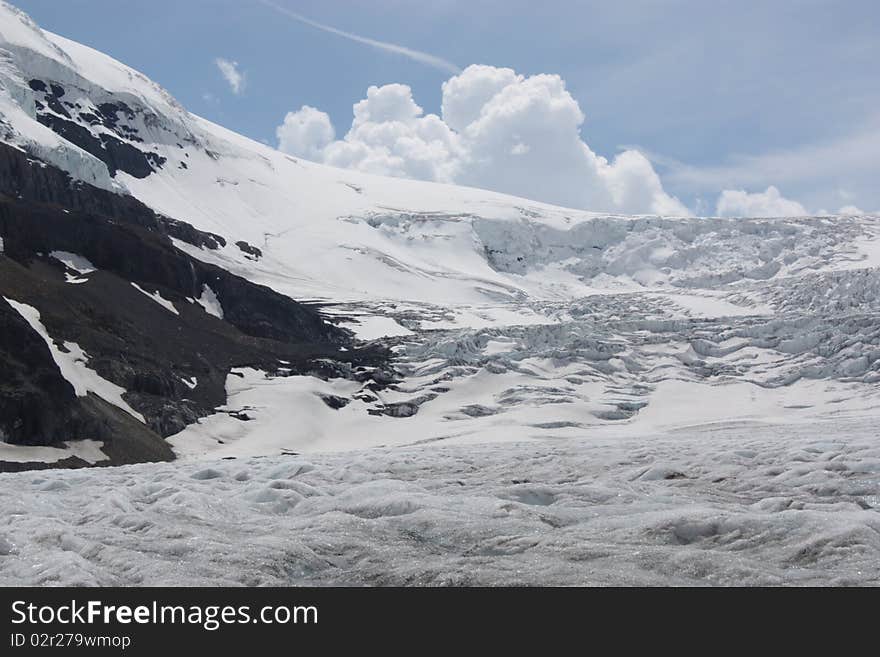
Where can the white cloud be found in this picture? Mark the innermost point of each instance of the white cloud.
(500, 131)
(813, 170)
(306, 133)
(230, 72)
(390, 136)
(465, 95)
(850, 211)
(769, 203)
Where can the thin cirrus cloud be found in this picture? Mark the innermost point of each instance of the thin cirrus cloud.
(821, 174)
(811, 162)
(233, 76)
(415, 55)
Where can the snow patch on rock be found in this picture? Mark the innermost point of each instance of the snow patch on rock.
(72, 361)
(73, 261)
(158, 298)
(209, 301)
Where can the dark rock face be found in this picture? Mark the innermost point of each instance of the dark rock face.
(33, 394)
(20, 178)
(117, 152)
(252, 252)
(120, 234)
(335, 402)
(38, 406)
(173, 366)
(405, 409)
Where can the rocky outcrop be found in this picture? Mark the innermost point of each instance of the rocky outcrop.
(75, 123)
(141, 317)
(39, 407)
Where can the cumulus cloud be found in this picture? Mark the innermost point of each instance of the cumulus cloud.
(769, 203)
(850, 211)
(465, 95)
(390, 135)
(498, 130)
(229, 71)
(306, 132)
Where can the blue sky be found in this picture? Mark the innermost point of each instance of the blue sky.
(718, 95)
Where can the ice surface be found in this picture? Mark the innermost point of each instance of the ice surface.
(731, 505)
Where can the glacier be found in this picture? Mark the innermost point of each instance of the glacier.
(577, 398)
(726, 505)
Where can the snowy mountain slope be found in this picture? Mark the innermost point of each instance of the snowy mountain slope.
(26, 54)
(554, 396)
(509, 319)
(112, 335)
(323, 231)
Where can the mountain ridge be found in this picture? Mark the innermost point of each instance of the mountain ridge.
(298, 307)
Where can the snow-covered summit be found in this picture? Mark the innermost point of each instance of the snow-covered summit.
(88, 78)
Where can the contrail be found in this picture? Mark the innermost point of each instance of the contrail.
(415, 55)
